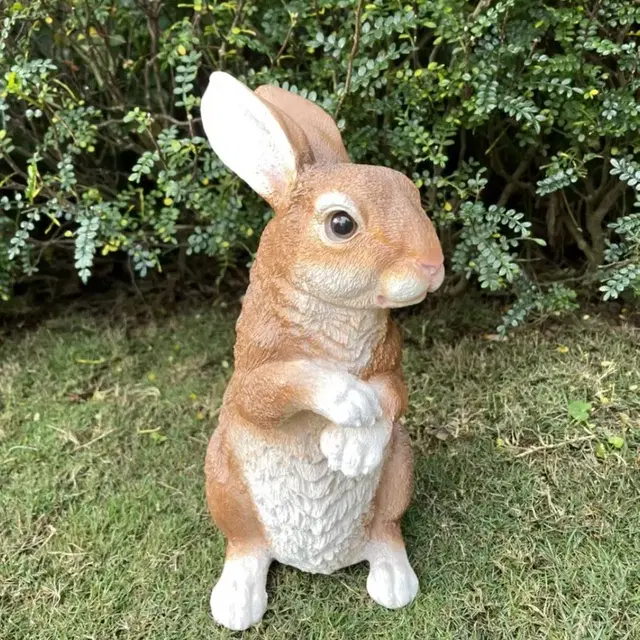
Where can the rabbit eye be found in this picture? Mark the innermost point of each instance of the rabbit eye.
(341, 225)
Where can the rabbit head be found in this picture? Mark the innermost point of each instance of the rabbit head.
(351, 235)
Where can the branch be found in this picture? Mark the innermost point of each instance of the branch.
(608, 201)
(576, 233)
(153, 27)
(154, 116)
(482, 5)
(546, 447)
(606, 157)
(551, 218)
(222, 52)
(513, 180)
(286, 40)
(462, 154)
(596, 217)
(352, 55)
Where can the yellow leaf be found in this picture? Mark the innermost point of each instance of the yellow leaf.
(93, 32)
(199, 415)
(193, 396)
(168, 202)
(562, 348)
(447, 206)
(151, 376)
(249, 232)
(181, 50)
(593, 92)
(13, 83)
(48, 19)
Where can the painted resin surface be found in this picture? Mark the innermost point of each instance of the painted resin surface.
(309, 464)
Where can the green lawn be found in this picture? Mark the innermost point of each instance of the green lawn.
(525, 522)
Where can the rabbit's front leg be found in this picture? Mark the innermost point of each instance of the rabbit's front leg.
(274, 391)
(359, 431)
(360, 450)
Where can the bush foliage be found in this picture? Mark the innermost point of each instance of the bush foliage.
(518, 119)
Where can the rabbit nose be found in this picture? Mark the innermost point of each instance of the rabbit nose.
(434, 271)
(430, 266)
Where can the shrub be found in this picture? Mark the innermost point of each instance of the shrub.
(518, 119)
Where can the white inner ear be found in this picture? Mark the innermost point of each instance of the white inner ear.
(246, 136)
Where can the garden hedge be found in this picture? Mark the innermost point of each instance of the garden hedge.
(518, 119)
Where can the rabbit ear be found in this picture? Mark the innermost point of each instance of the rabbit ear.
(249, 139)
(319, 127)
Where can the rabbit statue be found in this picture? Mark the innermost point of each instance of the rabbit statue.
(309, 464)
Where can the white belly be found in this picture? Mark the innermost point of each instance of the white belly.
(314, 518)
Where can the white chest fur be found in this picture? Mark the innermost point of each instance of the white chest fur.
(348, 336)
(314, 515)
(314, 518)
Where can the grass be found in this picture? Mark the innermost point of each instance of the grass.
(525, 522)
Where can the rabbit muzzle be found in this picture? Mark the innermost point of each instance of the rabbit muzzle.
(410, 284)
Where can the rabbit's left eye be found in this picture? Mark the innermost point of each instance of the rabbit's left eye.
(341, 225)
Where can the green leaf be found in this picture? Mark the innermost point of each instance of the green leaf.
(579, 410)
(617, 442)
(600, 451)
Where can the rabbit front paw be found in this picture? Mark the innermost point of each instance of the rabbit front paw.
(355, 452)
(347, 401)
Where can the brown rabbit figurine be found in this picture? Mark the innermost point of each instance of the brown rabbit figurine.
(309, 465)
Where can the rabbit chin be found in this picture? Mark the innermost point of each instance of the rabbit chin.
(388, 303)
(402, 293)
